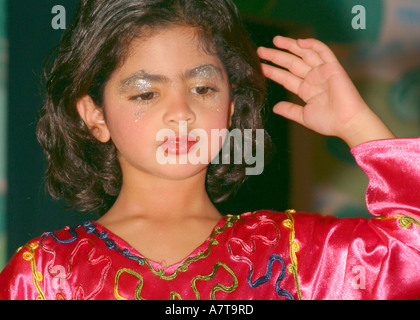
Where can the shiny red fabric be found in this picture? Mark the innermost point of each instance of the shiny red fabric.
(259, 255)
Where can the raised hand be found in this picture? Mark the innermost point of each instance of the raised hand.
(333, 107)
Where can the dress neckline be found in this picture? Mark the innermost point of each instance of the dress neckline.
(114, 241)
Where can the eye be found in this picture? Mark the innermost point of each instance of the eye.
(203, 91)
(144, 96)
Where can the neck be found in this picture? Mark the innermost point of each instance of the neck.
(158, 198)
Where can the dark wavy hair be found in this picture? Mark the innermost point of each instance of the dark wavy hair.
(86, 172)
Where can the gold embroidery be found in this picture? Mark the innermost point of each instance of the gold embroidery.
(294, 247)
(138, 288)
(230, 220)
(217, 287)
(407, 222)
(36, 275)
(404, 221)
(175, 295)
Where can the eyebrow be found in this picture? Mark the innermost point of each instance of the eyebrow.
(142, 76)
(205, 71)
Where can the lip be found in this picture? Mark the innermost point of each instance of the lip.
(178, 144)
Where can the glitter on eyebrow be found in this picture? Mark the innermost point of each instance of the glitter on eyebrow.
(139, 83)
(205, 72)
(141, 80)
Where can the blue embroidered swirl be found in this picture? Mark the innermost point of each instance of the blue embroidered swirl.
(72, 231)
(267, 277)
(91, 228)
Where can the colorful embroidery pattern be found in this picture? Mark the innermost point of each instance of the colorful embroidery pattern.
(267, 277)
(407, 222)
(91, 228)
(36, 275)
(138, 288)
(216, 277)
(249, 249)
(404, 221)
(218, 286)
(294, 247)
(230, 220)
(80, 249)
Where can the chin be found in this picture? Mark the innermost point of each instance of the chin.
(180, 171)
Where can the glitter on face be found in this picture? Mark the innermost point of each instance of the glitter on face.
(138, 115)
(206, 72)
(140, 85)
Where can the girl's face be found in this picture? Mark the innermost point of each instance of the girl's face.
(167, 83)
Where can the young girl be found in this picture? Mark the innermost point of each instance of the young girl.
(127, 69)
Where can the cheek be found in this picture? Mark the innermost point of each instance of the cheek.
(220, 121)
(127, 133)
(216, 133)
(219, 113)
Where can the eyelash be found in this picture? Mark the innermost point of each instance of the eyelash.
(211, 91)
(139, 96)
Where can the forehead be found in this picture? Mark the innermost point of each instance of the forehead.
(195, 34)
(168, 50)
(150, 38)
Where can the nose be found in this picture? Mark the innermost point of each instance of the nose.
(178, 109)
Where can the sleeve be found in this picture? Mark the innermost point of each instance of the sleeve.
(20, 280)
(377, 258)
(393, 169)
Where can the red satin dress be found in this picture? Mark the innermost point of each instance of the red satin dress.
(258, 255)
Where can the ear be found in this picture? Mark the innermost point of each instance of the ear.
(231, 112)
(93, 117)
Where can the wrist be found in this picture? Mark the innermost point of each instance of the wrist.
(367, 126)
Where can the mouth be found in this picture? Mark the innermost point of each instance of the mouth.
(178, 144)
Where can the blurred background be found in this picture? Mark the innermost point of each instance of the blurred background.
(377, 41)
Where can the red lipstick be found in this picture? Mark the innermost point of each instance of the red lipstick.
(178, 144)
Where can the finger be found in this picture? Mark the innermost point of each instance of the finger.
(283, 77)
(319, 47)
(311, 57)
(290, 111)
(286, 60)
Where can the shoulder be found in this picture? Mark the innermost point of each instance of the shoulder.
(266, 223)
(25, 275)
(281, 218)
(272, 221)
(46, 244)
